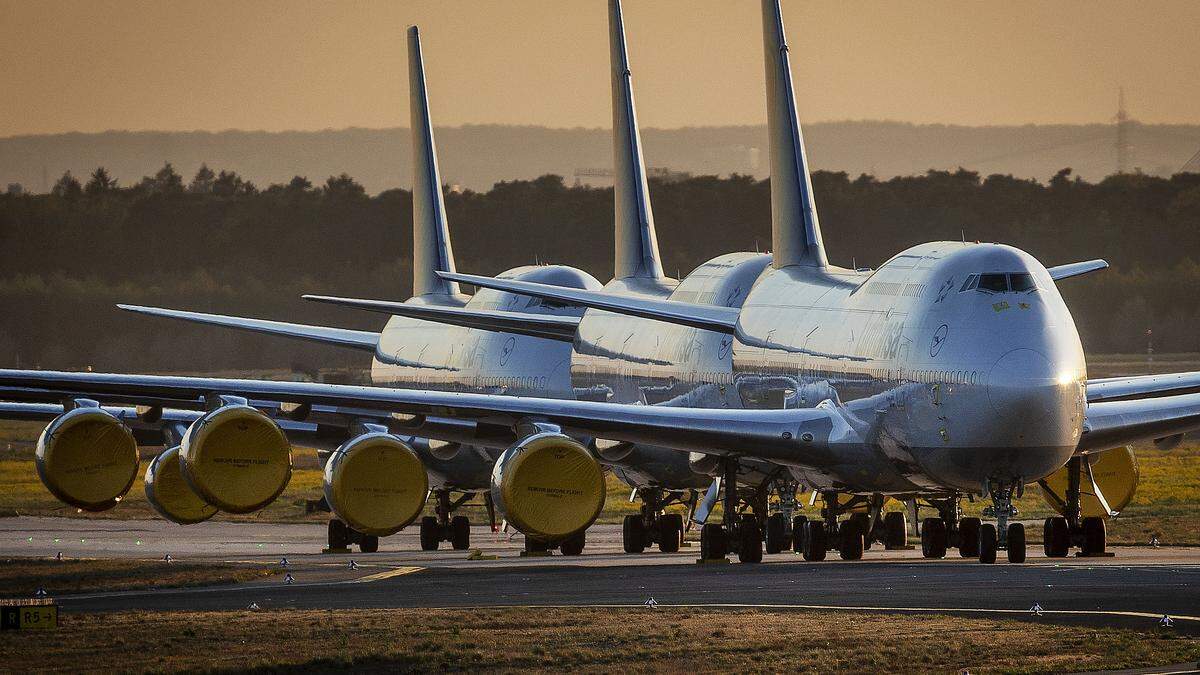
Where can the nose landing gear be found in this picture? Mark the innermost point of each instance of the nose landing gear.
(1009, 537)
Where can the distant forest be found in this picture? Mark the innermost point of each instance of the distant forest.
(218, 243)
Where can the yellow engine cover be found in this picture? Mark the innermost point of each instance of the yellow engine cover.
(87, 458)
(169, 493)
(548, 486)
(236, 458)
(1116, 473)
(376, 483)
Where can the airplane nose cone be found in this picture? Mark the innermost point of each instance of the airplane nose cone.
(1022, 387)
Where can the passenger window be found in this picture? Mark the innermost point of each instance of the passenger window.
(1021, 282)
(994, 283)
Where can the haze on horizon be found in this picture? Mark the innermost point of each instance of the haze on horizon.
(94, 65)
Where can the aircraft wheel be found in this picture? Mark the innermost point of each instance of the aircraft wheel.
(574, 544)
(1056, 537)
(633, 534)
(864, 528)
(339, 535)
(1093, 535)
(798, 533)
(814, 541)
(460, 533)
(430, 536)
(776, 533)
(968, 537)
(713, 542)
(670, 532)
(1016, 543)
(369, 543)
(895, 527)
(933, 538)
(536, 545)
(751, 548)
(851, 539)
(987, 543)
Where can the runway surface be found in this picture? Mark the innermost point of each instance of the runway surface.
(1135, 587)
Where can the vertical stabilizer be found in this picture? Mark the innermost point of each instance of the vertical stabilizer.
(795, 231)
(637, 245)
(431, 236)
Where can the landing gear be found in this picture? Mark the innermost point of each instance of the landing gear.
(750, 549)
(933, 538)
(341, 536)
(798, 525)
(895, 528)
(1016, 543)
(851, 540)
(968, 537)
(777, 533)
(574, 544)
(994, 537)
(814, 544)
(1072, 529)
(714, 543)
(1094, 535)
(444, 527)
(652, 525)
(988, 543)
(1056, 537)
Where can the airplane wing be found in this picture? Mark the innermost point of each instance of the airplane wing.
(561, 328)
(1112, 424)
(1075, 269)
(797, 436)
(1142, 386)
(708, 317)
(342, 337)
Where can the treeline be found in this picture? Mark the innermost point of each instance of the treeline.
(219, 243)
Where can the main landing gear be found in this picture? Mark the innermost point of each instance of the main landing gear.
(1060, 533)
(652, 525)
(738, 533)
(447, 527)
(341, 536)
(971, 536)
(850, 536)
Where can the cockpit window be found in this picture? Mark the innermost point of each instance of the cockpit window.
(995, 283)
(1021, 282)
(969, 283)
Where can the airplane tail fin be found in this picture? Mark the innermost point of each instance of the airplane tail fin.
(431, 235)
(636, 244)
(795, 230)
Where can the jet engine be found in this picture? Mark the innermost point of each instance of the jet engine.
(1116, 474)
(548, 486)
(236, 458)
(703, 464)
(169, 493)
(376, 483)
(87, 458)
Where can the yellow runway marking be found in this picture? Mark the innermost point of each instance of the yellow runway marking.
(387, 575)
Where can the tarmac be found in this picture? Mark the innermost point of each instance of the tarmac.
(1135, 587)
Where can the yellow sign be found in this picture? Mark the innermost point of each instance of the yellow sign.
(29, 617)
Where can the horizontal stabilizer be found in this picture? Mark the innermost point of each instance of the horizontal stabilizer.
(1142, 386)
(1069, 270)
(341, 337)
(708, 317)
(560, 328)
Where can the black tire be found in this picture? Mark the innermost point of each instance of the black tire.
(776, 533)
(814, 541)
(713, 542)
(798, 533)
(339, 534)
(460, 533)
(1016, 543)
(750, 549)
(1094, 535)
(933, 538)
(574, 544)
(431, 535)
(987, 543)
(968, 537)
(670, 532)
(864, 527)
(368, 543)
(536, 545)
(851, 539)
(895, 527)
(1056, 537)
(633, 534)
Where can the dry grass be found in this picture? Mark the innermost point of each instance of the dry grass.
(591, 640)
(21, 577)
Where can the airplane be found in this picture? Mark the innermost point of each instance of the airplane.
(953, 369)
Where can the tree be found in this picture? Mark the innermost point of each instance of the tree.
(299, 184)
(202, 183)
(100, 183)
(68, 186)
(228, 183)
(166, 181)
(343, 187)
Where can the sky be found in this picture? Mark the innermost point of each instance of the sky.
(94, 65)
